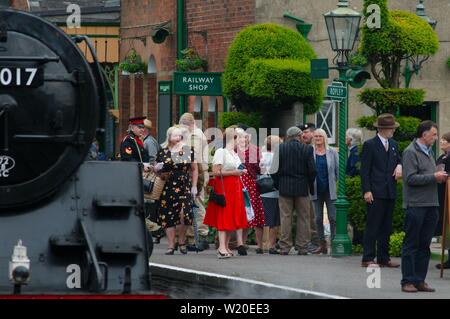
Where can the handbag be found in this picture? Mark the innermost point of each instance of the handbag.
(153, 185)
(148, 179)
(219, 199)
(265, 184)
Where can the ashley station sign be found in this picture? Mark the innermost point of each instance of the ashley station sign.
(198, 83)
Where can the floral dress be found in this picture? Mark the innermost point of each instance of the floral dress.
(176, 195)
(251, 159)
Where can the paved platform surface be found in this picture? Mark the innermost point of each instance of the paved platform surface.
(342, 277)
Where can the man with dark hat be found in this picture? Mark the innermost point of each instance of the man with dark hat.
(314, 245)
(308, 132)
(380, 169)
(132, 147)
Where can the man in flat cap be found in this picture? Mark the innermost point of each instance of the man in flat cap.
(380, 169)
(294, 170)
(132, 148)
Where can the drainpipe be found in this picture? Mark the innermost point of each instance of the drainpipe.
(181, 44)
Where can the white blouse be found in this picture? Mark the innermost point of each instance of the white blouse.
(228, 159)
(266, 162)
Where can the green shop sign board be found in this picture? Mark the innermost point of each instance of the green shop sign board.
(198, 83)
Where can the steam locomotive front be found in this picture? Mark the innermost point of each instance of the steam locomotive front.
(48, 108)
(65, 225)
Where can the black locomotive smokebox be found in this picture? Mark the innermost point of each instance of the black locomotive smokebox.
(49, 107)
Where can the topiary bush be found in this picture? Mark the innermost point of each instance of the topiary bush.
(357, 209)
(286, 81)
(267, 67)
(402, 34)
(358, 59)
(228, 119)
(389, 100)
(396, 243)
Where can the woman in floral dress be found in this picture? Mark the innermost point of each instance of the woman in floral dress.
(250, 157)
(175, 205)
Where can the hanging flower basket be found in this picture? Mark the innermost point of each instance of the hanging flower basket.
(133, 64)
(191, 61)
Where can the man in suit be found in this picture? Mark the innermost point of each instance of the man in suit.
(295, 171)
(380, 168)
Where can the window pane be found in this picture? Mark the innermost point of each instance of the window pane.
(326, 120)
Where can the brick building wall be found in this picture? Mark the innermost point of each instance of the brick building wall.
(212, 26)
(20, 4)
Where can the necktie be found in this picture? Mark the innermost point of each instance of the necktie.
(386, 146)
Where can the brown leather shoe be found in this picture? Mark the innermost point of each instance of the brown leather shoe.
(390, 264)
(424, 287)
(368, 263)
(409, 288)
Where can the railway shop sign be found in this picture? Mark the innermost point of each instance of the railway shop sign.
(198, 83)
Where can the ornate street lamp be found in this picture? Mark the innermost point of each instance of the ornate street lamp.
(343, 28)
(418, 60)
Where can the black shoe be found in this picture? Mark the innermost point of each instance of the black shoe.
(446, 265)
(273, 251)
(157, 240)
(203, 245)
(193, 248)
(242, 251)
(259, 251)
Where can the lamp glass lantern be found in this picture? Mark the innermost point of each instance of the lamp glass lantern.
(343, 28)
(418, 60)
(420, 11)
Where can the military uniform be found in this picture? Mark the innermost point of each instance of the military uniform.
(132, 149)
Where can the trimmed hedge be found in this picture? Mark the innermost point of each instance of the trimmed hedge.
(357, 209)
(286, 53)
(389, 100)
(228, 119)
(283, 82)
(402, 33)
(359, 59)
(396, 243)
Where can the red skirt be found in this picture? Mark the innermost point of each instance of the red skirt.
(233, 215)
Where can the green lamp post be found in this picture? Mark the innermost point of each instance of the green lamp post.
(417, 60)
(343, 28)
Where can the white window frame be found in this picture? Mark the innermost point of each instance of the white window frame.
(332, 130)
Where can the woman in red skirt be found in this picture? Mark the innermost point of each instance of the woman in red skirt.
(250, 156)
(227, 181)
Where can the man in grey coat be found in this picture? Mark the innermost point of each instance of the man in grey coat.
(420, 198)
(151, 145)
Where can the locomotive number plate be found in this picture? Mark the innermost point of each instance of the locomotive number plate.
(21, 77)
